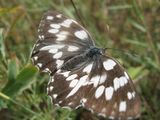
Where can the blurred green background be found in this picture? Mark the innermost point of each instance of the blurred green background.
(133, 26)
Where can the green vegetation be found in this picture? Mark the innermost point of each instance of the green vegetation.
(133, 26)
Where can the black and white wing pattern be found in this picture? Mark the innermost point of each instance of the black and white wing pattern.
(101, 86)
(81, 74)
(59, 39)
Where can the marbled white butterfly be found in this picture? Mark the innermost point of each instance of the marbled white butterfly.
(81, 73)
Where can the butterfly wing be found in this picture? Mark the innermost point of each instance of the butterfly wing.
(59, 39)
(113, 93)
(101, 86)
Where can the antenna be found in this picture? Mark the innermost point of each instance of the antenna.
(123, 51)
(77, 13)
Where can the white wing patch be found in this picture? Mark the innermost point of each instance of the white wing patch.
(109, 93)
(49, 17)
(52, 47)
(123, 81)
(59, 63)
(56, 26)
(35, 58)
(51, 88)
(65, 74)
(122, 106)
(58, 55)
(88, 68)
(67, 22)
(129, 95)
(80, 83)
(119, 82)
(73, 83)
(99, 91)
(72, 48)
(95, 80)
(53, 31)
(53, 51)
(59, 15)
(103, 78)
(116, 83)
(81, 34)
(61, 36)
(55, 96)
(39, 65)
(109, 64)
(126, 75)
(41, 37)
(71, 77)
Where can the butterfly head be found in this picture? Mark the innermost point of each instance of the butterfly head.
(94, 52)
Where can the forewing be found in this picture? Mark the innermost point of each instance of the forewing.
(101, 86)
(59, 39)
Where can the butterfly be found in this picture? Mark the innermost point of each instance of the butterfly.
(82, 74)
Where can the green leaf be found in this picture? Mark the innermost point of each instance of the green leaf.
(2, 46)
(12, 73)
(119, 7)
(65, 114)
(23, 80)
(137, 10)
(137, 25)
(12, 70)
(135, 72)
(134, 41)
(152, 63)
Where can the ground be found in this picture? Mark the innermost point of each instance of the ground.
(132, 27)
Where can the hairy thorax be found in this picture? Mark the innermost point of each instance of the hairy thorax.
(91, 54)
